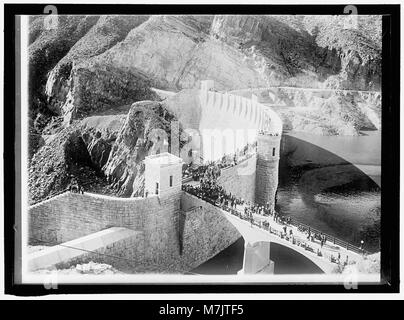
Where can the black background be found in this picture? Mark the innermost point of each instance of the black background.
(390, 155)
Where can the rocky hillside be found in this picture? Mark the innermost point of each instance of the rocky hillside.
(175, 52)
(146, 131)
(85, 74)
(326, 112)
(105, 85)
(47, 47)
(104, 153)
(308, 51)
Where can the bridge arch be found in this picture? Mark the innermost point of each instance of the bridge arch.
(289, 261)
(260, 254)
(258, 239)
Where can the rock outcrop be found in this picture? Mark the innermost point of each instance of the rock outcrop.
(238, 29)
(337, 113)
(47, 47)
(105, 153)
(93, 88)
(357, 40)
(146, 131)
(80, 151)
(99, 133)
(322, 111)
(108, 31)
(177, 52)
(51, 167)
(305, 51)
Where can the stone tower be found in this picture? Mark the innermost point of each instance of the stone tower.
(268, 148)
(163, 174)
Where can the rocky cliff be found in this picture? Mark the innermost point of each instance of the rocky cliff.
(176, 52)
(86, 73)
(146, 131)
(72, 71)
(105, 152)
(308, 51)
(47, 47)
(90, 63)
(328, 112)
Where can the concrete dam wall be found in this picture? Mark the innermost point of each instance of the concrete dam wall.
(228, 122)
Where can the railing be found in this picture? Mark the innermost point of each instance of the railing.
(329, 238)
(301, 227)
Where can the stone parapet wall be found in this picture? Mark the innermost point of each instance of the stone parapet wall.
(206, 232)
(113, 246)
(240, 180)
(72, 215)
(124, 255)
(167, 239)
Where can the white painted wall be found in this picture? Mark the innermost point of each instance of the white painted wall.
(229, 122)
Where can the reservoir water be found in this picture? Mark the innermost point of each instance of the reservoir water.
(331, 184)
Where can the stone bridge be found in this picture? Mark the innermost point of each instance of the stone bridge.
(160, 231)
(257, 246)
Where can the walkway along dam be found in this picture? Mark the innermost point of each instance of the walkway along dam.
(173, 231)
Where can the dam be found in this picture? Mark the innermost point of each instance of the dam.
(169, 229)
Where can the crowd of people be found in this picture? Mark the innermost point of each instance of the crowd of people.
(312, 236)
(75, 186)
(210, 191)
(268, 133)
(227, 161)
(189, 171)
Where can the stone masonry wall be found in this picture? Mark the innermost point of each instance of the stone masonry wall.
(161, 241)
(72, 215)
(124, 255)
(164, 244)
(266, 182)
(268, 147)
(206, 232)
(240, 180)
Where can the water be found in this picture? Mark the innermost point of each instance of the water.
(230, 261)
(321, 188)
